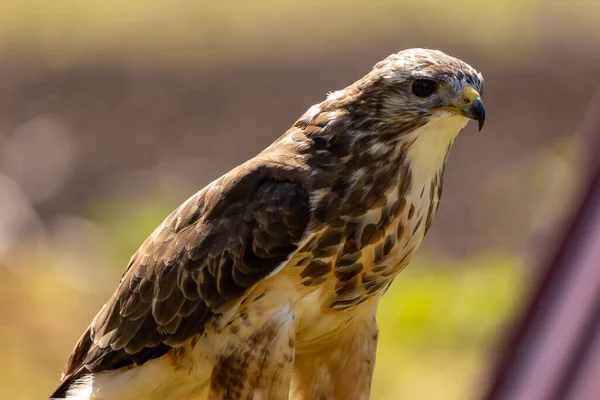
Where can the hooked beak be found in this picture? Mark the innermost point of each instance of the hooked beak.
(473, 106)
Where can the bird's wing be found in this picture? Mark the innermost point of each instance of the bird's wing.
(207, 253)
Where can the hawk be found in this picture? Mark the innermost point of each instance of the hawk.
(265, 284)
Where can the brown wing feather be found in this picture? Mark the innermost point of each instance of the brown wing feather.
(209, 251)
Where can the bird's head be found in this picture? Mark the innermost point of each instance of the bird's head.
(414, 87)
(413, 104)
(421, 84)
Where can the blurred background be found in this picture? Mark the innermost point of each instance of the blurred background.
(113, 113)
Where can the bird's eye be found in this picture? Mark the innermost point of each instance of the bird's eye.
(423, 87)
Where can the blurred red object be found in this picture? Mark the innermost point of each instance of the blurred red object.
(554, 353)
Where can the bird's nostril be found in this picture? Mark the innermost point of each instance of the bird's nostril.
(467, 101)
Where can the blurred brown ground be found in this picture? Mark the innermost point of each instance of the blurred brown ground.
(111, 116)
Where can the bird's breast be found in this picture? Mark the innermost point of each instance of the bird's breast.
(355, 256)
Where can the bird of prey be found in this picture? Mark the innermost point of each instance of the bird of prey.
(265, 284)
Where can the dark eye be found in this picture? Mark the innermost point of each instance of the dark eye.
(423, 87)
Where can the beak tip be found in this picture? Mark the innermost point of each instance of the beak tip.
(476, 111)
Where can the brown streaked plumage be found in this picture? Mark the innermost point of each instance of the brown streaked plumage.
(265, 284)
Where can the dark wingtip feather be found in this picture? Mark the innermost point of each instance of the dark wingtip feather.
(65, 384)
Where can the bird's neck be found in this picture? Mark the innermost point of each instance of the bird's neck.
(426, 148)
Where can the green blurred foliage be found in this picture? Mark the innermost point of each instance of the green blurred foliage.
(126, 227)
(440, 325)
(436, 303)
(219, 32)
